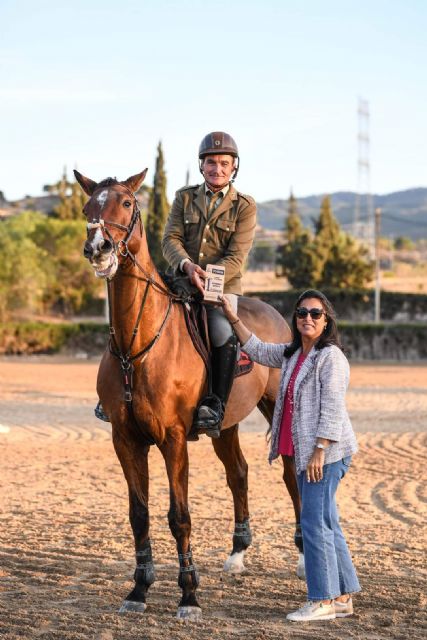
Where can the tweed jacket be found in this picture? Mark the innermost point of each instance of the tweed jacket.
(226, 238)
(319, 400)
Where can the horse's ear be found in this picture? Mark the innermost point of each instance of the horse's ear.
(134, 182)
(86, 184)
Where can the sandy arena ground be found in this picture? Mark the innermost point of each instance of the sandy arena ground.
(66, 550)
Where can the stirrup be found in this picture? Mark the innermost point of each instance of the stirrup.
(209, 415)
(99, 413)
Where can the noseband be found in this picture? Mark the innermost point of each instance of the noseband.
(120, 247)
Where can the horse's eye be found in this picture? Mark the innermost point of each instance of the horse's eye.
(127, 204)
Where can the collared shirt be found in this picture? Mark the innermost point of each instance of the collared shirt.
(221, 195)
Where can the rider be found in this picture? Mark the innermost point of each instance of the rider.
(213, 223)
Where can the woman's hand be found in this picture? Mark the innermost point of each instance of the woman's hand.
(242, 332)
(314, 471)
(228, 309)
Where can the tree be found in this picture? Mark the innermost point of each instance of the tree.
(42, 267)
(330, 258)
(347, 266)
(158, 210)
(71, 198)
(403, 243)
(341, 261)
(22, 277)
(296, 258)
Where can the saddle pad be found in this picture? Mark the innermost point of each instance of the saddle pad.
(244, 365)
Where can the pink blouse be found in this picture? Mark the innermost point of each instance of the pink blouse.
(286, 446)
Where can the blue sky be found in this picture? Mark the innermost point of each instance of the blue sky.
(96, 84)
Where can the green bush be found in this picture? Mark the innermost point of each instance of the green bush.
(44, 337)
(362, 341)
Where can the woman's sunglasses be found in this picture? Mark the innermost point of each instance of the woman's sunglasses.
(302, 312)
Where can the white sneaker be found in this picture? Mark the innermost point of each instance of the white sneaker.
(343, 609)
(313, 611)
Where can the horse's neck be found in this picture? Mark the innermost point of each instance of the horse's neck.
(127, 303)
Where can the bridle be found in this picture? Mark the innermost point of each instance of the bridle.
(121, 247)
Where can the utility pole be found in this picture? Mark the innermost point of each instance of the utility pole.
(377, 265)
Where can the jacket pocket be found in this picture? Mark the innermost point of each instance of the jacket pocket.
(191, 222)
(226, 225)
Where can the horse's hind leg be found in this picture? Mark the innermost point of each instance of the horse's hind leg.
(134, 460)
(228, 450)
(175, 453)
(289, 477)
(266, 406)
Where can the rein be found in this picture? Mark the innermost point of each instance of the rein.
(121, 247)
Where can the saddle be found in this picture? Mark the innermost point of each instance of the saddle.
(197, 325)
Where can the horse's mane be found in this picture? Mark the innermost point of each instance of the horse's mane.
(108, 182)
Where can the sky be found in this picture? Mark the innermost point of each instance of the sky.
(96, 84)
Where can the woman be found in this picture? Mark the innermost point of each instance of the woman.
(312, 423)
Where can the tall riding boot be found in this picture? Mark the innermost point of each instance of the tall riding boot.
(211, 410)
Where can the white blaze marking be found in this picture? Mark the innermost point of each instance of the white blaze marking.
(97, 240)
(102, 198)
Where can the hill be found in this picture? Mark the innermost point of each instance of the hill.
(403, 213)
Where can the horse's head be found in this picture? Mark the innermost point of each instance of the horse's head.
(113, 219)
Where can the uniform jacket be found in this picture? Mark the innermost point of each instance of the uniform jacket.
(225, 238)
(319, 400)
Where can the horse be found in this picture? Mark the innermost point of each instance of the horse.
(151, 378)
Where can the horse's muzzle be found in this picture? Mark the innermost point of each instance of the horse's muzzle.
(98, 251)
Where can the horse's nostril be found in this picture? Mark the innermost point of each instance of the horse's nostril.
(88, 250)
(106, 247)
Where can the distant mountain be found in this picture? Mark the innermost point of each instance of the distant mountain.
(403, 213)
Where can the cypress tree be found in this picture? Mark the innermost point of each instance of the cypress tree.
(158, 210)
(342, 262)
(71, 198)
(297, 257)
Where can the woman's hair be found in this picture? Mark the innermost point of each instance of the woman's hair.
(329, 335)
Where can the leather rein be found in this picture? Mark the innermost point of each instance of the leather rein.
(122, 248)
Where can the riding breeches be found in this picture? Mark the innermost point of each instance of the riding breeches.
(219, 327)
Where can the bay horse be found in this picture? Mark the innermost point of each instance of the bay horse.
(151, 378)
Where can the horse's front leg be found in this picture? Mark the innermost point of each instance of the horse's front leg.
(289, 477)
(133, 458)
(228, 450)
(175, 453)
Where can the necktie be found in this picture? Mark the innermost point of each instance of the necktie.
(213, 202)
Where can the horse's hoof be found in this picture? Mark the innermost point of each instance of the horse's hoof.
(234, 563)
(301, 567)
(131, 606)
(190, 614)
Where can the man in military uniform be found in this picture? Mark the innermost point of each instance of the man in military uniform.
(213, 223)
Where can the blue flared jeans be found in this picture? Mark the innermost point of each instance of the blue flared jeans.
(328, 566)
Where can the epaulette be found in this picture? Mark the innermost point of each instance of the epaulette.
(248, 199)
(188, 187)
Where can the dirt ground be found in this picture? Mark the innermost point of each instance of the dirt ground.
(66, 551)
